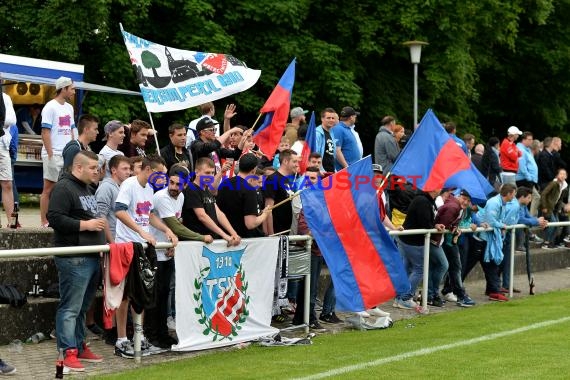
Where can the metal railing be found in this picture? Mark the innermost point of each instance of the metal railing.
(137, 318)
(67, 251)
(427, 235)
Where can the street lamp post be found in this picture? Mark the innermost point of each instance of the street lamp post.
(415, 56)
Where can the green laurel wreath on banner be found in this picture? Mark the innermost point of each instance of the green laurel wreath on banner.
(205, 321)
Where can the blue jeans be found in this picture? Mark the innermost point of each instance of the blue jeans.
(413, 256)
(453, 281)
(438, 265)
(551, 231)
(77, 286)
(505, 266)
(329, 299)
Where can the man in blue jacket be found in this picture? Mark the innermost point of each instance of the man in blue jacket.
(527, 175)
(495, 215)
(517, 213)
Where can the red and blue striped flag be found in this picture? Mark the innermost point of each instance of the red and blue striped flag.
(433, 161)
(309, 145)
(277, 106)
(343, 215)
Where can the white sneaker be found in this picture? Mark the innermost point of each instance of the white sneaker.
(171, 323)
(450, 297)
(363, 314)
(377, 312)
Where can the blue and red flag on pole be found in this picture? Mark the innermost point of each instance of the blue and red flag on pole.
(310, 144)
(277, 106)
(432, 160)
(344, 219)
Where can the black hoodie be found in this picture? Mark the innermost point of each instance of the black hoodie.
(421, 214)
(70, 202)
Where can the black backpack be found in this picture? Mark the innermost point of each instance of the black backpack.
(10, 294)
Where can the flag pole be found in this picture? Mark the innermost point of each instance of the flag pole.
(256, 120)
(296, 194)
(155, 137)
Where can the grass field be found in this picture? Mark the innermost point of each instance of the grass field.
(522, 339)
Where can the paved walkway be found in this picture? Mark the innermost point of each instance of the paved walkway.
(38, 361)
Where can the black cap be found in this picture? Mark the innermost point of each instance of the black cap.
(465, 193)
(205, 123)
(348, 111)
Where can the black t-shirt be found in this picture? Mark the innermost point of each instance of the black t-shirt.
(194, 197)
(276, 187)
(328, 157)
(236, 198)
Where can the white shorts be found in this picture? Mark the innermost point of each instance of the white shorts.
(5, 168)
(52, 167)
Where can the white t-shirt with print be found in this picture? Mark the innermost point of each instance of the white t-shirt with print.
(139, 201)
(165, 207)
(107, 153)
(58, 118)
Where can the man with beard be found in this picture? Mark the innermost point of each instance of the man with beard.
(168, 207)
(73, 215)
(297, 119)
(176, 152)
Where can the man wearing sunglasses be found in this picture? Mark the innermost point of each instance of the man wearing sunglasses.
(207, 145)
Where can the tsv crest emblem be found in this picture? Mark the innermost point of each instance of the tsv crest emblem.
(221, 294)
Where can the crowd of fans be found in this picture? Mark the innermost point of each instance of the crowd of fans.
(221, 186)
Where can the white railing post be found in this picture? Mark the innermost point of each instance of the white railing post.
(425, 285)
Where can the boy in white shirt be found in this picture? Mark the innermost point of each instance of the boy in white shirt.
(58, 124)
(133, 209)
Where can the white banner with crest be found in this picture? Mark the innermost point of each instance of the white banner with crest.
(224, 294)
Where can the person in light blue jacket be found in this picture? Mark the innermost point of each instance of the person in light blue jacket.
(517, 213)
(495, 215)
(527, 174)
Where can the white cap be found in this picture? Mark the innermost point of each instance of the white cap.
(63, 82)
(514, 131)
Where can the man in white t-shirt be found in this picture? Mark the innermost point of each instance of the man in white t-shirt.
(58, 126)
(133, 208)
(114, 135)
(6, 175)
(168, 204)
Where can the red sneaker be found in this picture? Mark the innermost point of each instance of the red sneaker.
(71, 360)
(498, 297)
(88, 355)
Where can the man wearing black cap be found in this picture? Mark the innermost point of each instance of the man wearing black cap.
(348, 144)
(207, 145)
